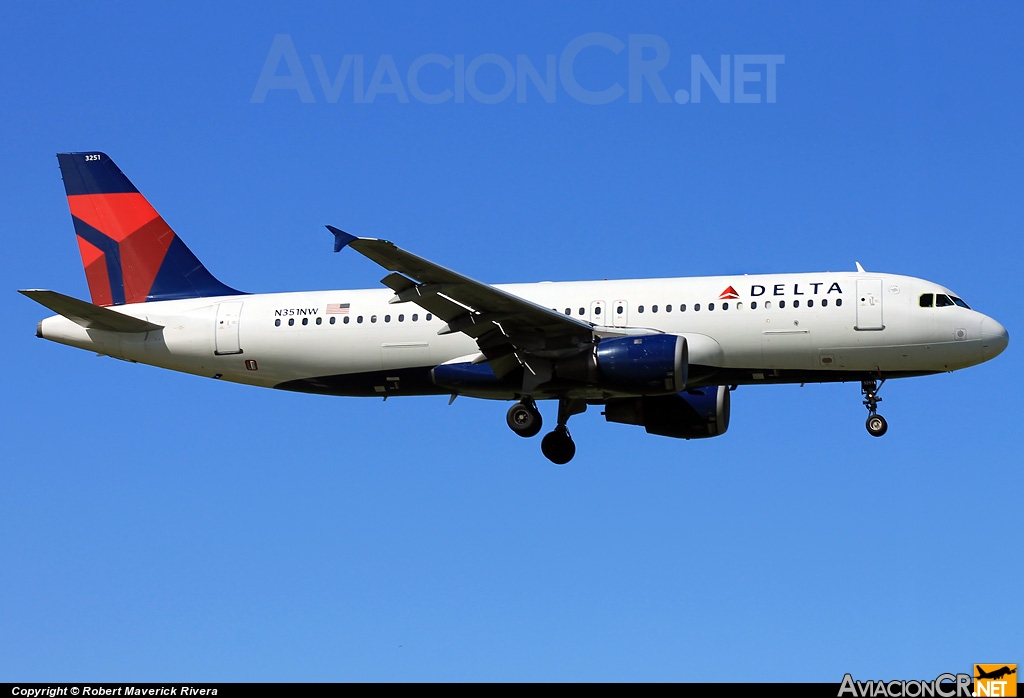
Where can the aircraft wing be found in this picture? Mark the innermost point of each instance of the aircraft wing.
(503, 324)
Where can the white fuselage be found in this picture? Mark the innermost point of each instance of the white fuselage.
(773, 328)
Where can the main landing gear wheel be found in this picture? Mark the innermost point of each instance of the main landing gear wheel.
(558, 446)
(876, 423)
(524, 419)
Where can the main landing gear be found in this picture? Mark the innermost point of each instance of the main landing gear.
(558, 447)
(876, 423)
(524, 419)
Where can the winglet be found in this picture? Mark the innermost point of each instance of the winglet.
(341, 238)
(859, 267)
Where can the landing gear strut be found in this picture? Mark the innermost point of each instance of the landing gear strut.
(524, 419)
(558, 446)
(876, 423)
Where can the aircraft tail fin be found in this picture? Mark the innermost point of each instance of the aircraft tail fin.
(129, 253)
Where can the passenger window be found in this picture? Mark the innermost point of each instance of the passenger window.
(796, 303)
(401, 318)
(753, 305)
(824, 302)
(654, 308)
(739, 305)
(429, 317)
(711, 306)
(331, 321)
(373, 318)
(415, 317)
(782, 304)
(359, 319)
(387, 318)
(345, 320)
(582, 311)
(568, 311)
(682, 307)
(839, 302)
(640, 309)
(725, 306)
(597, 310)
(291, 322)
(618, 310)
(277, 322)
(926, 300)
(810, 303)
(767, 305)
(696, 307)
(305, 321)
(319, 321)
(668, 308)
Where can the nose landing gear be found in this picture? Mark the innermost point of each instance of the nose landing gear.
(876, 424)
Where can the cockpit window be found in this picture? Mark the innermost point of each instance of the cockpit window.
(941, 300)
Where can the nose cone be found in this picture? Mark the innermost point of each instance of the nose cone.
(994, 338)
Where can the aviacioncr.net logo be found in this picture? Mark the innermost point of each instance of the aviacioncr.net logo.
(944, 686)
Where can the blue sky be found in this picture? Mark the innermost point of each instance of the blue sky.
(158, 526)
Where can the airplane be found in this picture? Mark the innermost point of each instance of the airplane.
(664, 354)
(995, 674)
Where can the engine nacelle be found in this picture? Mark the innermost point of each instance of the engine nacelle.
(694, 414)
(654, 364)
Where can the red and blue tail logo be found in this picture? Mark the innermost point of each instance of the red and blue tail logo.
(130, 254)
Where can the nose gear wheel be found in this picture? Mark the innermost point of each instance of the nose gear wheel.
(876, 424)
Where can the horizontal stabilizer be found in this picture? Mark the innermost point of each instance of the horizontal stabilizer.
(89, 316)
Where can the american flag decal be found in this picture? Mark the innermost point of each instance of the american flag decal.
(337, 308)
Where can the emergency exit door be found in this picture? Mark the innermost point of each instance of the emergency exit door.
(869, 304)
(226, 328)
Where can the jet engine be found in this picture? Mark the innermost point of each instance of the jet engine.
(650, 364)
(692, 414)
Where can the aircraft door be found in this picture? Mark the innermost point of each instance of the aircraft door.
(226, 328)
(620, 314)
(869, 304)
(597, 314)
